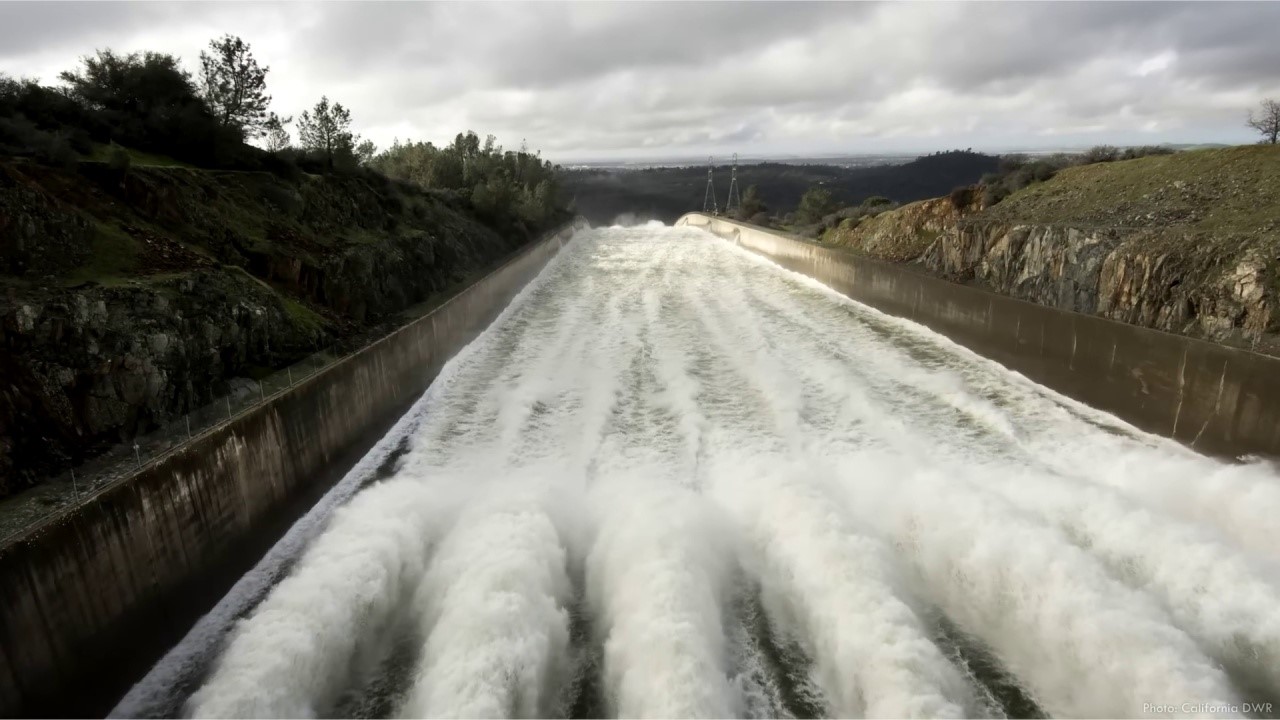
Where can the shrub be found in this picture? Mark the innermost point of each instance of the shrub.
(57, 151)
(282, 198)
(1017, 172)
(816, 204)
(118, 159)
(993, 193)
(283, 164)
(1146, 150)
(1099, 154)
(962, 197)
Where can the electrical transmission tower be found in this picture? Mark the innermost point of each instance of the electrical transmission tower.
(735, 196)
(709, 197)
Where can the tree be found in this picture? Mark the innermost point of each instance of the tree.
(514, 190)
(365, 151)
(1268, 123)
(146, 101)
(234, 86)
(814, 205)
(277, 137)
(133, 84)
(752, 205)
(326, 129)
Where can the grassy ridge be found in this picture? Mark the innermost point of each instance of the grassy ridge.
(1231, 190)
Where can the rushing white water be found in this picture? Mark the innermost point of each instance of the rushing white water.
(493, 612)
(676, 480)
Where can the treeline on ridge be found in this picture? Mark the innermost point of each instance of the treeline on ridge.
(666, 193)
(144, 108)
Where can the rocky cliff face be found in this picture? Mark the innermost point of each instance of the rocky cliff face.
(1216, 289)
(1188, 243)
(127, 300)
(101, 364)
(901, 235)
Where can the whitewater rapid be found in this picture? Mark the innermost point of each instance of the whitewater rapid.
(676, 480)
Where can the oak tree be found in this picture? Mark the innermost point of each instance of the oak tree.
(1267, 122)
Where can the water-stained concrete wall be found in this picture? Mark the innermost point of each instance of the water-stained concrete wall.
(82, 591)
(1219, 400)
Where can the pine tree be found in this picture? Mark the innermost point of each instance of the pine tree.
(234, 86)
(326, 129)
(277, 137)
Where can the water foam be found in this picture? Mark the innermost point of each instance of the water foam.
(656, 580)
(302, 646)
(874, 654)
(493, 612)
(667, 419)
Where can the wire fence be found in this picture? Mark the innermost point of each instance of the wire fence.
(57, 493)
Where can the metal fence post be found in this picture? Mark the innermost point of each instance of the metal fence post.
(228, 399)
(74, 487)
(187, 417)
(290, 371)
(137, 455)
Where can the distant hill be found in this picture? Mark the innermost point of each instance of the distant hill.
(667, 193)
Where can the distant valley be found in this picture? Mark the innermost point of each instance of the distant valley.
(665, 193)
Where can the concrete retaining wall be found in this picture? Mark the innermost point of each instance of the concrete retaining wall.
(1219, 400)
(82, 591)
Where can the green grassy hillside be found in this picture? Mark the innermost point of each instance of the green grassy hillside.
(1234, 190)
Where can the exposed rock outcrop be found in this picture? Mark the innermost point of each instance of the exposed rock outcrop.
(100, 364)
(1221, 289)
(127, 300)
(1188, 243)
(901, 235)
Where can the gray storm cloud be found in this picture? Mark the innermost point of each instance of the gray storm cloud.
(601, 79)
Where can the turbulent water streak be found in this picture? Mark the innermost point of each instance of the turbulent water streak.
(749, 491)
(304, 642)
(874, 655)
(656, 578)
(494, 613)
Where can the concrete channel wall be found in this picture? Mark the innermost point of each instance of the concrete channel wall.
(1215, 399)
(82, 589)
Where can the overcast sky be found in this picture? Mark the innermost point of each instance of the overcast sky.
(635, 80)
